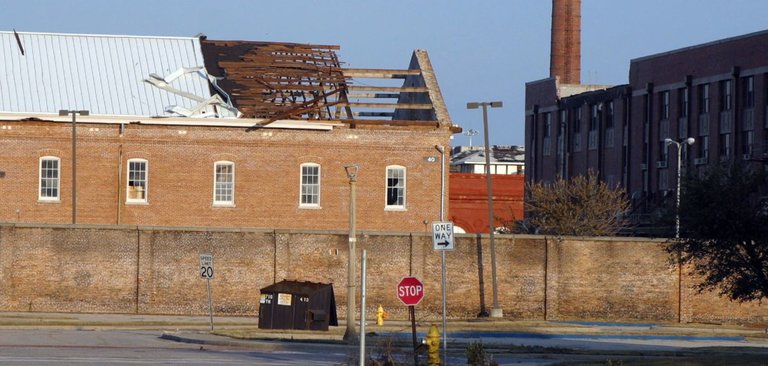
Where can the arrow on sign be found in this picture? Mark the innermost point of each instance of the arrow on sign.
(442, 235)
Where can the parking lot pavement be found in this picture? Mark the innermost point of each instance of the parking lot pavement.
(496, 333)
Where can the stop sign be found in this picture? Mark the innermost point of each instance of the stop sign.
(410, 291)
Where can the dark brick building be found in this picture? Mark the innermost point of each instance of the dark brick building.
(715, 93)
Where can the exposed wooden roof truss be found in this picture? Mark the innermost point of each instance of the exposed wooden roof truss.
(277, 81)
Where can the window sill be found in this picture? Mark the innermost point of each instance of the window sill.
(48, 201)
(310, 207)
(137, 203)
(224, 205)
(395, 208)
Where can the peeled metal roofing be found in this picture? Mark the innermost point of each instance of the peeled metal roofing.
(100, 73)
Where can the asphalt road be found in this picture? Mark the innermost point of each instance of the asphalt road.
(145, 347)
(113, 347)
(113, 339)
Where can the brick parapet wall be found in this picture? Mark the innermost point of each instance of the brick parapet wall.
(154, 270)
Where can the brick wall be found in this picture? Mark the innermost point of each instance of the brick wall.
(469, 200)
(153, 270)
(180, 163)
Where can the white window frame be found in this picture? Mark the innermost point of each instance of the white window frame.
(224, 185)
(315, 202)
(396, 206)
(128, 182)
(40, 196)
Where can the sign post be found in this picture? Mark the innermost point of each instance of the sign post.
(206, 271)
(410, 290)
(442, 240)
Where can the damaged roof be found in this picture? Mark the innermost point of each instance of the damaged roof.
(274, 81)
(199, 78)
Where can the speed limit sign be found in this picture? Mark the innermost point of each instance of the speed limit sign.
(206, 265)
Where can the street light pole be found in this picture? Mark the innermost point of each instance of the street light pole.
(442, 252)
(679, 145)
(496, 310)
(350, 335)
(74, 113)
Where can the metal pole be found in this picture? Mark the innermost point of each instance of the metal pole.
(496, 311)
(210, 302)
(679, 145)
(677, 204)
(412, 310)
(362, 309)
(442, 252)
(350, 335)
(65, 112)
(74, 167)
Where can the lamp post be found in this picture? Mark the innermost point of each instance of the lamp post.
(679, 145)
(350, 335)
(74, 113)
(442, 252)
(496, 311)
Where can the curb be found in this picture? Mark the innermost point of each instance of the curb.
(262, 343)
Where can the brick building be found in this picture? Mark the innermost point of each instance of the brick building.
(716, 93)
(469, 201)
(194, 132)
(468, 196)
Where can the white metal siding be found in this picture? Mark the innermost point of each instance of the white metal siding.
(103, 74)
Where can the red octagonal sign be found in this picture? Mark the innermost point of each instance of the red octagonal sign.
(410, 291)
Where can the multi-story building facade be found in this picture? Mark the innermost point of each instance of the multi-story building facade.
(199, 133)
(715, 93)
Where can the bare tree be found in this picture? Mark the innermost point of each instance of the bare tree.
(581, 206)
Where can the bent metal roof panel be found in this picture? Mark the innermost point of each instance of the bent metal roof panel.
(44, 72)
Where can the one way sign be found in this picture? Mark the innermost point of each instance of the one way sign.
(442, 235)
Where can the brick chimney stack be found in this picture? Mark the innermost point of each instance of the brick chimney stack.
(565, 56)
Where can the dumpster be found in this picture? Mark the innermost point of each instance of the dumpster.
(297, 305)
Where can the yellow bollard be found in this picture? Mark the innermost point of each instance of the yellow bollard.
(433, 346)
(380, 316)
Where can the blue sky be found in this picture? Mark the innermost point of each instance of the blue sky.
(481, 50)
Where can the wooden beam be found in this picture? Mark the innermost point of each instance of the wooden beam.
(374, 114)
(390, 105)
(404, 89)
(379, 73)
(385, 122)
(374, 95)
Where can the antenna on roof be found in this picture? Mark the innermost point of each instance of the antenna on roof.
(18, 40)
(470, 133)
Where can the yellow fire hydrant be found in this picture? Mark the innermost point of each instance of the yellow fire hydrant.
(380, 316)
(433, 346)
